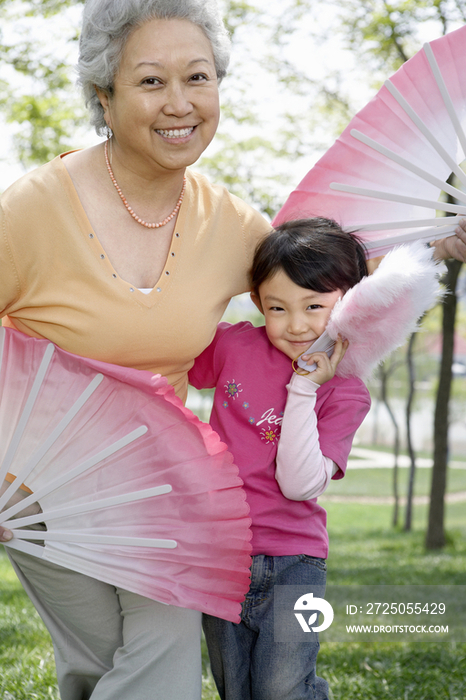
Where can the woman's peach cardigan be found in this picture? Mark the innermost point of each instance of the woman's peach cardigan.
(57, 282)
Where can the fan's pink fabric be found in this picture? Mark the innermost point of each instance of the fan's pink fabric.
(206, 512)
(351, 162)
(379, 313)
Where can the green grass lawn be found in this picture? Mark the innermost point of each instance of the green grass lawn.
(379, 482)
(364, 549)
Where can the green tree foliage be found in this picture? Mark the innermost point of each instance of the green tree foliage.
(386, 34)
(38, 97)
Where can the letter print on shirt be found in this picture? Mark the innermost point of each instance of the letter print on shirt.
(270, 432)
(268, 425)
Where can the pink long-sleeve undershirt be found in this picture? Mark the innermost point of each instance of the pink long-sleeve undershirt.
(302, 471)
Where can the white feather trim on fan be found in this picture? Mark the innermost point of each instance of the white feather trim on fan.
(379, 313)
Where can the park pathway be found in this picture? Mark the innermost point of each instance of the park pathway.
(362, 458)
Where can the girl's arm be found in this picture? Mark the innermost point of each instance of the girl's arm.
(302, 471)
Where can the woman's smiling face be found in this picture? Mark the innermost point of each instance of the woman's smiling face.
(164, 109)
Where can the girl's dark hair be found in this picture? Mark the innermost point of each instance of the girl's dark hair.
(315, 254)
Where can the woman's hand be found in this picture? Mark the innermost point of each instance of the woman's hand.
(453, 246)
(5, 535)
(373, 263)
(326, 366)
(18, 496)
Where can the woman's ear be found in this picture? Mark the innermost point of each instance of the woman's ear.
(255, 298)
(104, 101)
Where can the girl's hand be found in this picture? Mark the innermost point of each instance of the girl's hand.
(326, 366)
(453, 246)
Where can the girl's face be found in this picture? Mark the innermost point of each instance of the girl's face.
(294, 317)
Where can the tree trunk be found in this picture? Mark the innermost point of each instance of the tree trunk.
(435, 537)
(411, 452)
(384, 376)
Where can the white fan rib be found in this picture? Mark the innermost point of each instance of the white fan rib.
(77, 471)
(86, 538)
(439, 221)
(88, 507)
(403, 199)
(29, 405)
(35, 550)
(2, 343)
(450, 107)
(23, 473)
(431, 234)
(420, 172)
(404, 104)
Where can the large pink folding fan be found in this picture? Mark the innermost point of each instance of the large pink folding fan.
(386, 175)
(134, 490)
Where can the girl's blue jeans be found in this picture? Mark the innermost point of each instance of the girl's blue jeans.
(247, 664)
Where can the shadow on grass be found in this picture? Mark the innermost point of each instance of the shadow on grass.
(395, 558)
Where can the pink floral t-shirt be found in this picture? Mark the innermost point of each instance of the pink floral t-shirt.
(250, 377)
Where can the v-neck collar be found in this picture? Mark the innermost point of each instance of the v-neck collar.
(169, 270)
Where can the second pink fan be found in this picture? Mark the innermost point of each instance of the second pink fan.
(386, 175)
(134, 490)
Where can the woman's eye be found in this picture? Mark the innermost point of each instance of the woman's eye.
(151, 81)
(198, 77)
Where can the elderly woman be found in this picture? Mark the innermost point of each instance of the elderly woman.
(120, 253)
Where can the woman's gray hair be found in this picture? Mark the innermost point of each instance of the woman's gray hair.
(107, 25)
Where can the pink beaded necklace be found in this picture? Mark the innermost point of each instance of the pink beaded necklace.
(133, 214)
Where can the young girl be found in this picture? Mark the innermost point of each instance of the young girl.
(299, 272)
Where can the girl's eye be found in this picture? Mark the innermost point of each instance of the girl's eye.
(314, 306)
(276, 308)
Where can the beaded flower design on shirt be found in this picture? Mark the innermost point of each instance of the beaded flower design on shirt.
(268, 424)
(269, 435)
(233, 389)
(271, 425)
